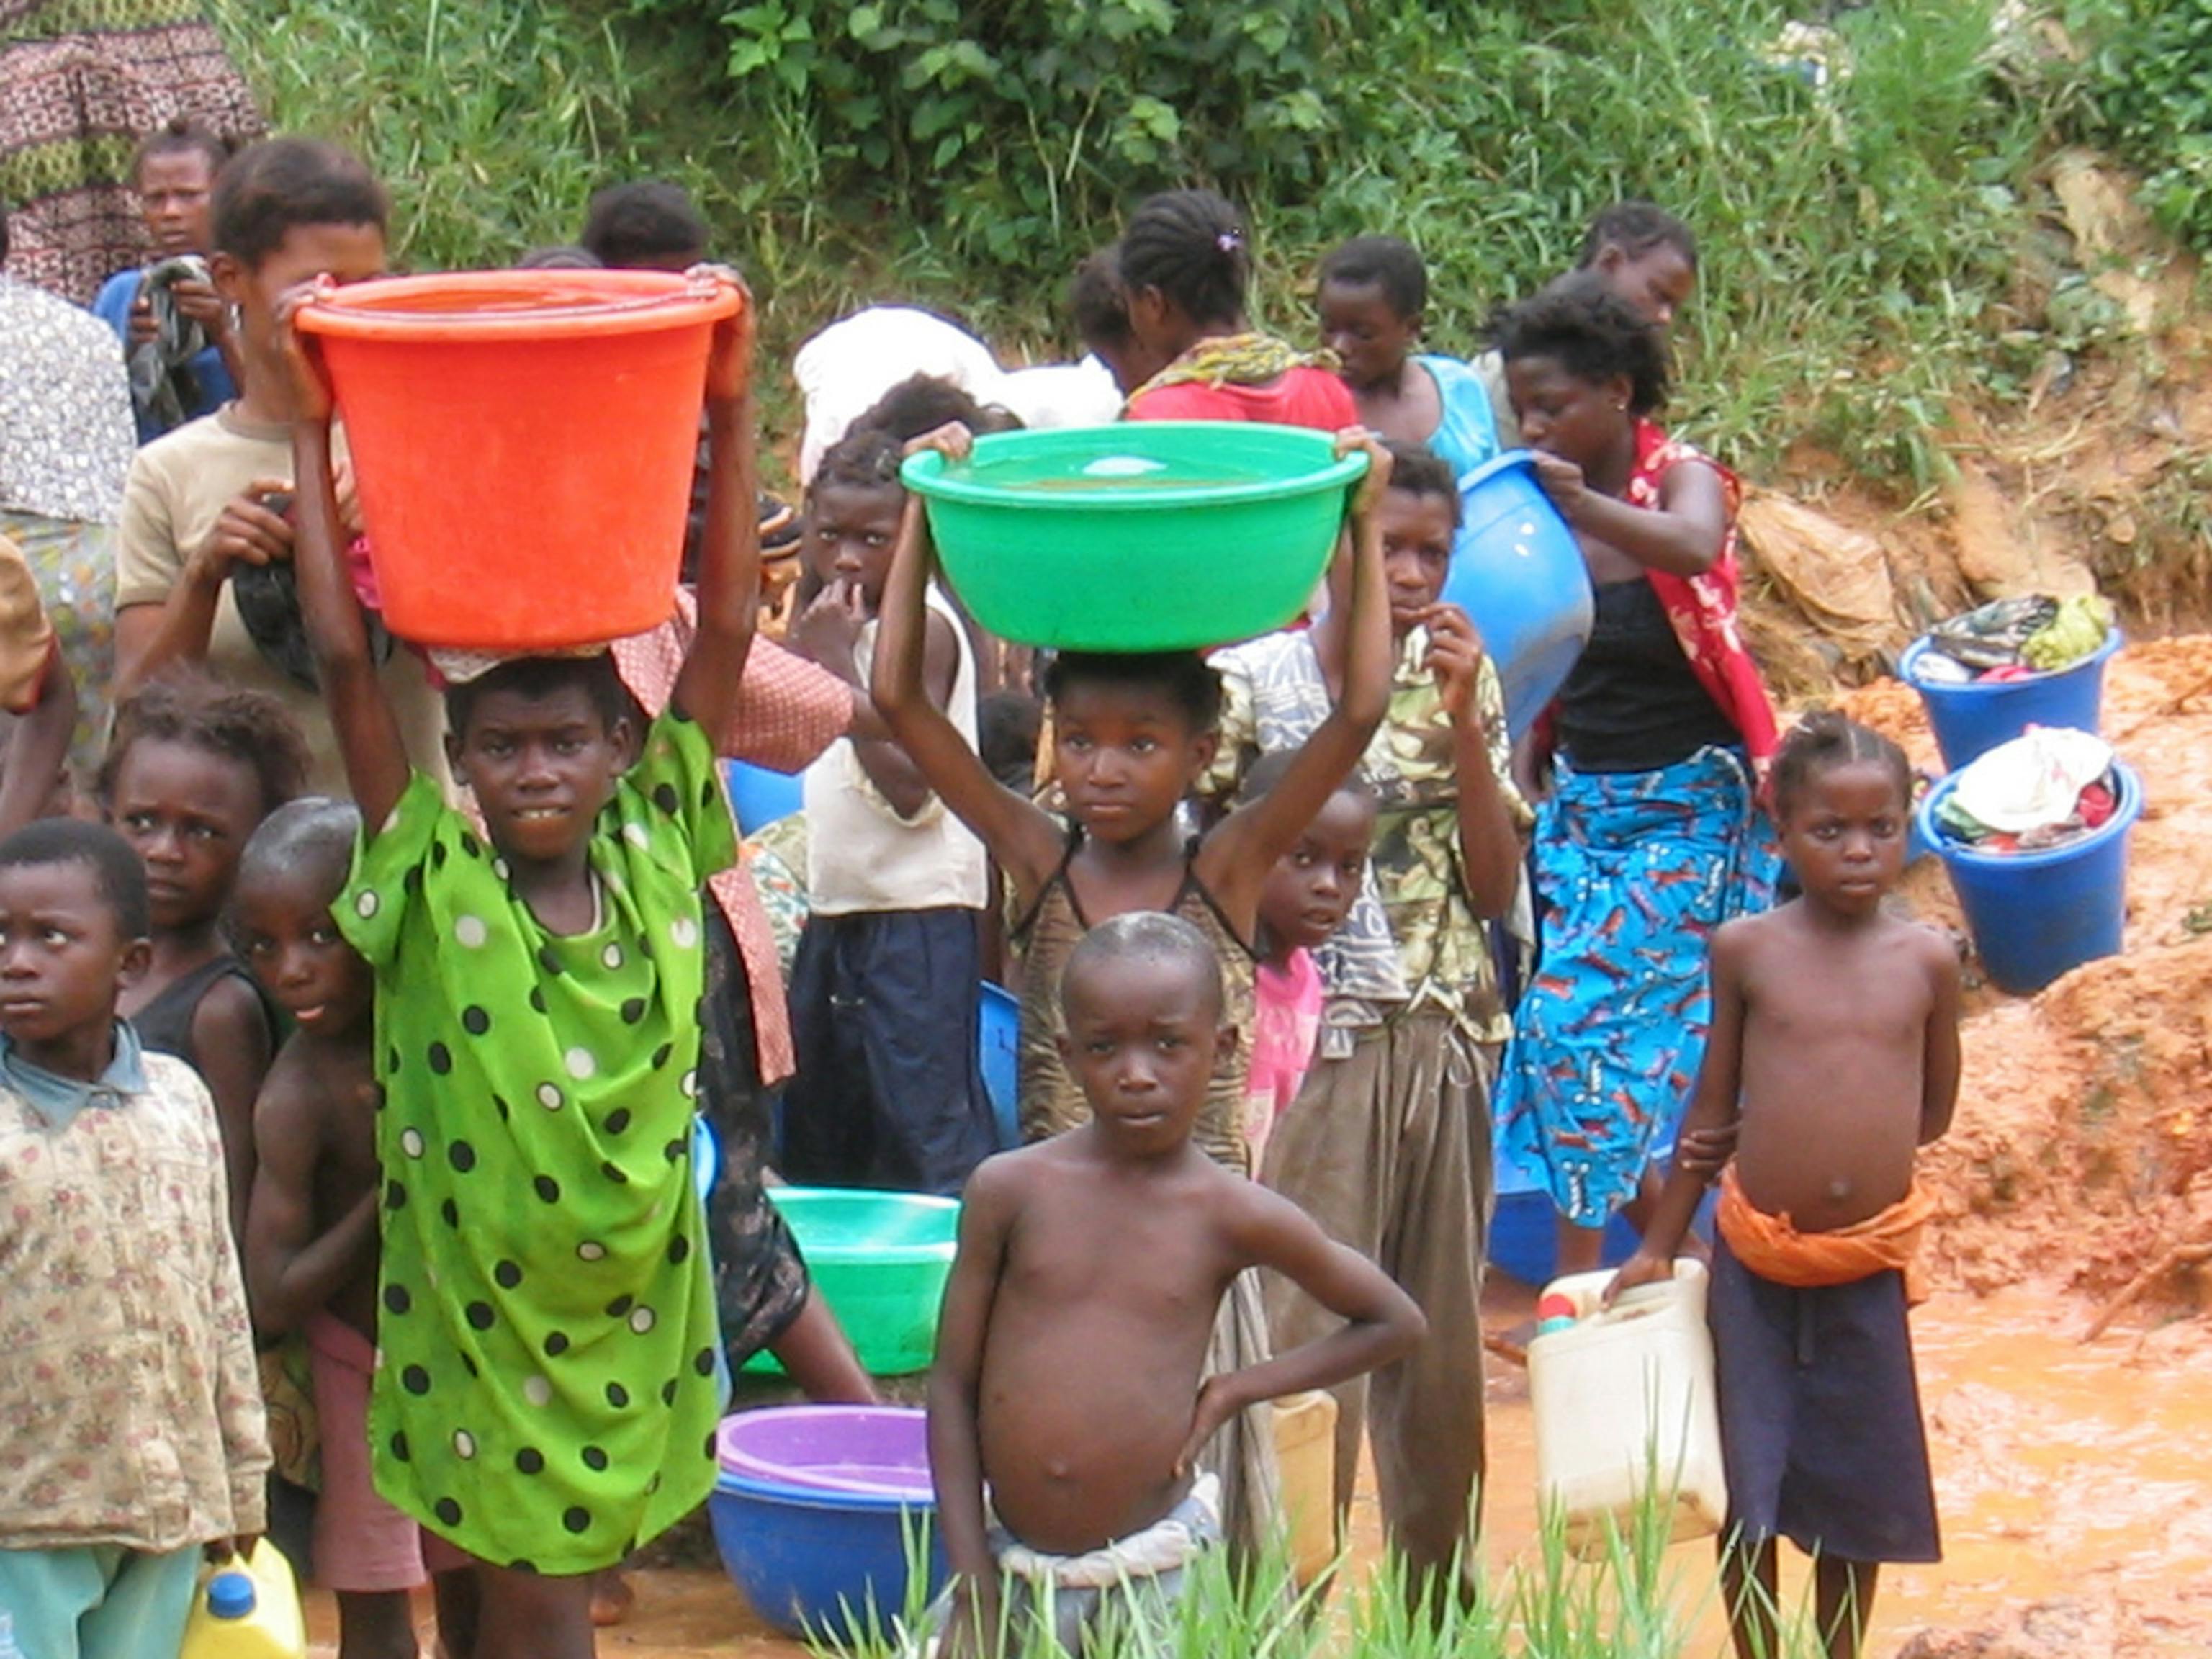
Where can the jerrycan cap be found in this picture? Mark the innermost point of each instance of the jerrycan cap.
(230, 1595)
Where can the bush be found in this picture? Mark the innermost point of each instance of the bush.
(1859, 236)
(1006, 125)
(2155, 84)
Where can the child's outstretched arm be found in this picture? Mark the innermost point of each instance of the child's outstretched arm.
(1020, 834)
(1489, 845)
(291, 1273)
(1711, 1118)
(729, 549)
(1381, 1323)
(368, 733)
(1941, 1067)
(1234, 860)
(956, 1457)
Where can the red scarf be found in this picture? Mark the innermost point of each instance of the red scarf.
(1702, 608)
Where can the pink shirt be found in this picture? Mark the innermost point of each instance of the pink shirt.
(1285, 1024)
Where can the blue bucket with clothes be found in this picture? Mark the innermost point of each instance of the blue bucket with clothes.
(1970, 719)
(1517, 570)
(759, 796)
(2034, 915)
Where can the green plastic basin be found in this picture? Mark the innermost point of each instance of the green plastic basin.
(880, 1261)
(1149, 535)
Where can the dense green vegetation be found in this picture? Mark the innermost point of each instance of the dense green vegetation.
(2154, 74)
(1862, 200)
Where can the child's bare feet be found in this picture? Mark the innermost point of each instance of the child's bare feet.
(612, 1598)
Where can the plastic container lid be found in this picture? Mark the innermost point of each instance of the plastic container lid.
(230, 1595)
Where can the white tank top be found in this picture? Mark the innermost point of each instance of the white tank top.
(860, 854)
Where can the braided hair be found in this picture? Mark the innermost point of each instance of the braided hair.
(1824, 741)
(1190, 245)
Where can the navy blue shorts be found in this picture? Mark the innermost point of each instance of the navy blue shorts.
(889, 1091)
(1821, 1426)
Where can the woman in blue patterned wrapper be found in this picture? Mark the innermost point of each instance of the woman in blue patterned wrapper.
(1653, 835)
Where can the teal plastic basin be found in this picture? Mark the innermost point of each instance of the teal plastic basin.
(880, 1261)
(1148, 535)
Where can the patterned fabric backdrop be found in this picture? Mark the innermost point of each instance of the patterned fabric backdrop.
(81, 82)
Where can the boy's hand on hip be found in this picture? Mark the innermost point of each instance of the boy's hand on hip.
(1218, 1401)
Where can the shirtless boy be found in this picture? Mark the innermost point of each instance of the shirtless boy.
(311, 1227)
(1837, 1027)
(1076, 1324)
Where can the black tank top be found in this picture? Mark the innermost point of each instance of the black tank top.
(1632, 703)
(164, 1025)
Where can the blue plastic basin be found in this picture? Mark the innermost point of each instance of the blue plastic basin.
(821, 1563)
(760, 797)
(1517, 570)
(999, 1035)
(2034, 915)
(1969, 720)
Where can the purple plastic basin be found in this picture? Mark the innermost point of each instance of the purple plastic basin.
(875, 1450)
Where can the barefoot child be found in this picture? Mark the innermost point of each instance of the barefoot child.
(1833, 1055)
(193, 768)
(1119, 1239)
(1306, 898)
(548, 1397)
(135, 1432)
(311, 1227)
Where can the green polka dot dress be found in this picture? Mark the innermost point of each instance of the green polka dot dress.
(545, 1394)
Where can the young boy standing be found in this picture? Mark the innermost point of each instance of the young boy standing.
(1388, 1143)
(1073, 1339)
(885, 991)
(135, 1433)
(310, 1230)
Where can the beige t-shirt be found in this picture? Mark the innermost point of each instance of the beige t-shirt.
(178, 488)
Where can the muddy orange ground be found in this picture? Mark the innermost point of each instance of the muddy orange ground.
(2061, 1469)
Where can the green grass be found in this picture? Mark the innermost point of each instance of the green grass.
(1862, 242)
(1624, 1600)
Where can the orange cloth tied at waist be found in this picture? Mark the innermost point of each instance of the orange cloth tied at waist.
(1774, 1250)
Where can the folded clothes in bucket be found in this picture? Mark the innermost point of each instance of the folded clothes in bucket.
(2013, 639)
(2046, 787)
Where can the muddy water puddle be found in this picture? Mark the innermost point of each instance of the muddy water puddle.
(2060, 1469)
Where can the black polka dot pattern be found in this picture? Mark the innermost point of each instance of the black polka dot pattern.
(544, 1284)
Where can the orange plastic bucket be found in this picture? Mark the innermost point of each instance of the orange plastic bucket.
(523, 442)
